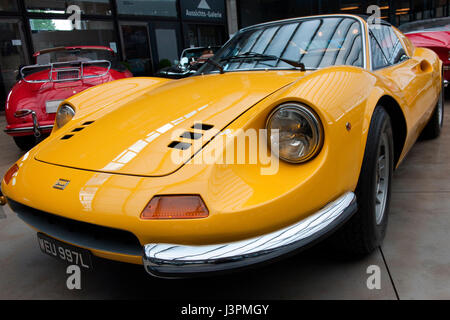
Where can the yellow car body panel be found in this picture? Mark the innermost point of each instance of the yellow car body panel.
(242, 202)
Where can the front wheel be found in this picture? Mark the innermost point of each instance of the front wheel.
(365, 231)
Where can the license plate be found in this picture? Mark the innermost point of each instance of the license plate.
(51, 106)
(65, 252)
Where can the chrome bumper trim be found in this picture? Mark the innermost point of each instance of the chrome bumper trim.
(172, 260)
(27, 129)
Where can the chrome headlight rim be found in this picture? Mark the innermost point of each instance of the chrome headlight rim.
(71, 110)
(309, 114)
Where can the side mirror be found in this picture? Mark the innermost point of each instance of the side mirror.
(184, 62)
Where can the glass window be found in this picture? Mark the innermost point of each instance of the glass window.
(384, 37)
(100, 7)
(136, 47)
(317, 43)
(255, 11)
(8, 5)
(78, 54)
(441, 8)
(378, 58)
(204, 35)
(402, 11)
(164, 8)
(12, 54)
(50, 33)
(166, 42)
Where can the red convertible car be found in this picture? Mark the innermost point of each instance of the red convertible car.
(434, 35)
(57, 74)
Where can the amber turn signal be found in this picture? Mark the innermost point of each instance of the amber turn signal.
(175, 207)
(10, 173)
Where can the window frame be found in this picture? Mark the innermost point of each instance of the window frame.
(370, 34)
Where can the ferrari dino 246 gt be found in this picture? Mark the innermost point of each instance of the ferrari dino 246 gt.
(340, 103)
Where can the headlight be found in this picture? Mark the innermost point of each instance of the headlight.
(300, 133)
(64, 115)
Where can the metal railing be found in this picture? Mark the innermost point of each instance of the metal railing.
(70, 66)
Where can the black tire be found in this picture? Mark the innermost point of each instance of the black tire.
(365, 231)
(434, 125)
(25, 143)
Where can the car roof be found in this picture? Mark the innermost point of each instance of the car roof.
(355, 16)
(299, 19)
(423, 25)
(72, 48)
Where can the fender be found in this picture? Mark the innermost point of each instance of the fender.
(102, 99)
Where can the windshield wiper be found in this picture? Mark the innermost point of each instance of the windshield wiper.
(261, 56)
(216, 64)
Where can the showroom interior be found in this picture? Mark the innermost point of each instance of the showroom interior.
(143, 33)
(148, 36)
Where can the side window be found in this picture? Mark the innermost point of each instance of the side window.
(378, 58)
(398, 53)
(386, 40)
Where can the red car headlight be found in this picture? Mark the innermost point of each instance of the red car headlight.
(10, 173)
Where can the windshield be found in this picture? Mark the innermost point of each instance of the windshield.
(74, 55)
(313, 42)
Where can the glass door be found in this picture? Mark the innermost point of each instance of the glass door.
(167, 42)
(136, 47)
(13, 54)
(203, 35)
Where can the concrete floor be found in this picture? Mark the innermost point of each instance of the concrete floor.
(415, 254)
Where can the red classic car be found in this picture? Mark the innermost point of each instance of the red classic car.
(58, 74)
(434, 35)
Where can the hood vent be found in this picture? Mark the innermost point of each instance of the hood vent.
(202, 126)
(179, 145)
(191, 135)
(68, 136)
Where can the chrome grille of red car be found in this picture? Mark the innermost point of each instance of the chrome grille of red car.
(68, 74)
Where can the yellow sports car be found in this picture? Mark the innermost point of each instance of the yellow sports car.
(289, 133)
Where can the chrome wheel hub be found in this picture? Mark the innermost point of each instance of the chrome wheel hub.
(382, 178)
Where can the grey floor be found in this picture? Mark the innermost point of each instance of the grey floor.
(414, 260)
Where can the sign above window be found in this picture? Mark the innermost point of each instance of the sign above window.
(162, 8)
(203, 10)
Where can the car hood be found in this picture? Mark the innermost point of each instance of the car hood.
(430, 39)
(134, 138)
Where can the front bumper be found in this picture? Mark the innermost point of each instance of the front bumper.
(172, 260)
(27, 130)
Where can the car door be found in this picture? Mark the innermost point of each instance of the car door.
(408, 77)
